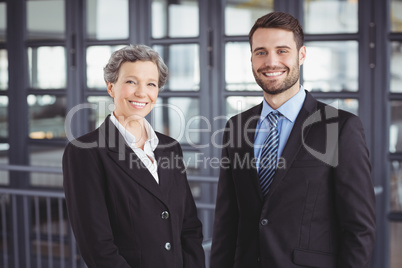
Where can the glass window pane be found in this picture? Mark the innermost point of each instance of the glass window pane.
(99, 24)
(47, 67)
(350, 105)
(396, 186)
(341, 15)
(4, 179)
(395, 244)
(193, 162)
(168, 17)
(179, 118)
(3, 69)
(40, 13)
(396, 70)
(46, 156)
(103, 106)
(395, 131)
(331, 66)
(238, 104)
(240, 15)
(97, 58)
(238, 74)
(46, 116)
(184, 66)
(46, 179)
(396, 15)
(3, 21)
(3, 117)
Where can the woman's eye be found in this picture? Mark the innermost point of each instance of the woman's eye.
(130, 82)
(152, 84)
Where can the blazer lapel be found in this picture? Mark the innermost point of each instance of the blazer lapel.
(294, 142)
(124, 157)
(167, 166)
(249, 146)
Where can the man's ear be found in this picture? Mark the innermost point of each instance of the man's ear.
(302, 55)
(110, 89)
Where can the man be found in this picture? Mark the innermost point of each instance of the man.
(313, 204)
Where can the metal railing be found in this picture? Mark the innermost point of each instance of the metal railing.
(35, 231)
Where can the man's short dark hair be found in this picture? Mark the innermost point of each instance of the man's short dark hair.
(279, 20)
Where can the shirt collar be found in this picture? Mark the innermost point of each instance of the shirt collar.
(152, 140)
(290, 109)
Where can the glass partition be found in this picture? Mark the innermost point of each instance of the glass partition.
(107, 19)
(4, 151)
(102, 107)
(396, 67)
(193, 162)
(240, 15)
(97, 58)
(178, 117)
(175, 18)
(331, 66)
(396, 15)
(46, 116)
(237, 104)
(395, 130)
(45, 19)
(350, 105)
(47, 67)
(3, 117)
(396, 186)
(46, 156)
(238, 71)
(3, 69)
(184, 66)
(330, 16)
(3, 21)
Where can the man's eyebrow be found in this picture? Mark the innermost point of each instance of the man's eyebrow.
(284, 46)
(258, 48)
(263, 48)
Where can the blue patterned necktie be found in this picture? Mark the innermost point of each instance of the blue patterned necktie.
(269, 154)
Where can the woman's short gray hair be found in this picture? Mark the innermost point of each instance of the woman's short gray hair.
(133, 53)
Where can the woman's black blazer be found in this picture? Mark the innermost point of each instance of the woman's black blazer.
(121, 217)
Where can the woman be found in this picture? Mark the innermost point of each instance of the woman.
(127, 195)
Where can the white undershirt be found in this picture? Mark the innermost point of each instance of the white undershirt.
(150, 144)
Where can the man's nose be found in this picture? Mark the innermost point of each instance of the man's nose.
(271, 59)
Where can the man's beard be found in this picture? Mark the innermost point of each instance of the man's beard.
(269, 86)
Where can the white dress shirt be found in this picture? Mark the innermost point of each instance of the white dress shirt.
(145, 155)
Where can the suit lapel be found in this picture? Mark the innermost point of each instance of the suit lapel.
(249, 146)
(167, 165)
(294, 142)
(124, 157)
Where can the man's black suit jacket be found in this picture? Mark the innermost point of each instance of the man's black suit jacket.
(320, 209)
(121, 217)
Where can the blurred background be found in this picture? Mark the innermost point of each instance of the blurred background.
(51, 89)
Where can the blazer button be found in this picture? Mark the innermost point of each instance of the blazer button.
(165, 215)
(264, 222)
(168, 246)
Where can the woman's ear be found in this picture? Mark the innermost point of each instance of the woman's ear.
(110, 89)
